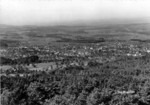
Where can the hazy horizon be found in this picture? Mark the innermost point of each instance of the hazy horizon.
(62, 12)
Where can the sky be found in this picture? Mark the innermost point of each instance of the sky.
(51, 12)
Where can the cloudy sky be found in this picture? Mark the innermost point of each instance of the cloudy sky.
(40, 12)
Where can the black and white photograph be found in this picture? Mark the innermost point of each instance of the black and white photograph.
(75, 52)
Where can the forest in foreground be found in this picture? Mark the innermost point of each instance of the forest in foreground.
(125, 81)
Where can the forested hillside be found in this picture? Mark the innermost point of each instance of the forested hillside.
(122, 82)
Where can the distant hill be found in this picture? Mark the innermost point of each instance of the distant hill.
(47, 34)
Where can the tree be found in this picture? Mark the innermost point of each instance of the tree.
(5, 97)
(34, 92)
(99, 96)
(81, 100)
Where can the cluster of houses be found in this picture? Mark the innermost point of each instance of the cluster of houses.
(49, 53)
(76, 54)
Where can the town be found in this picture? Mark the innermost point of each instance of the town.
(53, 57)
